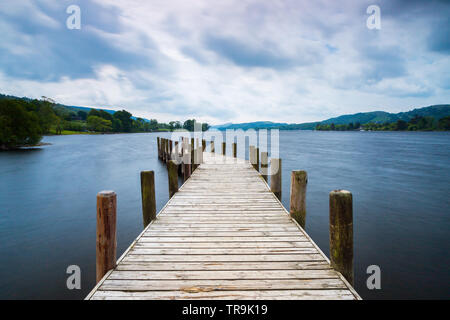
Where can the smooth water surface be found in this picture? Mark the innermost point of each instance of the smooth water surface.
(400, 183)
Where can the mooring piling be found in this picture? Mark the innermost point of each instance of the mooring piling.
(106, 233)
(341, 232)
(172, 172)
(148, 196)
(257, 159)
(299, 179)
(252, 157)
(264, 164)
(275, 177)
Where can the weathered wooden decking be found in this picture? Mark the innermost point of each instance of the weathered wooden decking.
(224, 235)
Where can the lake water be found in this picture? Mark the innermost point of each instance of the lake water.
(400, 183)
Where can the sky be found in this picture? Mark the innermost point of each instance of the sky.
(231, 60)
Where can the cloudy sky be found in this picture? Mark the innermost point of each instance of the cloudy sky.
(231, 60)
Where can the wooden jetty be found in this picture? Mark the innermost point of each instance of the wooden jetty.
(223, 235)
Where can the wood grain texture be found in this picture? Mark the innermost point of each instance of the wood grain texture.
(223, 235)
(106, 233)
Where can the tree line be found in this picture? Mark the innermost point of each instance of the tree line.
(24, 122)
(417, 123)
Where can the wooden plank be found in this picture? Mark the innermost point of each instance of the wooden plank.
(221, 285)
(223, 257)
(221, 251)
(206, 224)
(229, 245)
(223, 275)
(222, 213)
(198, 228)
(187, 233)
(150, 238)
(233, 265)
(226, 295)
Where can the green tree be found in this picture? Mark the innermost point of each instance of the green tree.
(116, 125)
(444, 123)
(106, 115)
(138, 125)
(401, 125)
(189, 125)
(18, 127)
(59, 124)
(98, 124)
(94, 112)
(47, 117)
(153, 124)
(82, 114)
(125, 118)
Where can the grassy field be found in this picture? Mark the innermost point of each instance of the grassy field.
(70, 132)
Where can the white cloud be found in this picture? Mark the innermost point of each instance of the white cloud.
(330, 66)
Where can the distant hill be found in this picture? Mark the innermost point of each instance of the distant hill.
(249, 125)
(72, 108)
(435, 111)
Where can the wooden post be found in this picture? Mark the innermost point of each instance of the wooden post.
(170, 149)
(197, 152)
(299, 179)
(148, 196)
(159, 147)
(234, 150)
(192, 155)
(172, 171)
(187, 162)
(176, 153)
(203, 145)
(257, 159)
(167, 150)
(224, 148)
(199, 156)
(106, 233)
(275, 178)
(193, 162)
(187, 171)
(182, 147)
(177, 157)
(341, 233)
(252, 156)
(163, 149)
(264, 164)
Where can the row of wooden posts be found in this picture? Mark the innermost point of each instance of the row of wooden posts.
(192, 156)
(340, 202)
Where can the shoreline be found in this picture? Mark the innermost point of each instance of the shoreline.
(25, 147)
